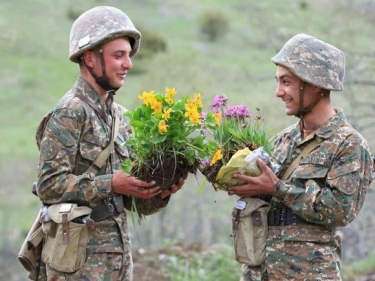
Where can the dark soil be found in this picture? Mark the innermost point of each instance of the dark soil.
(165, 171)
(210, 172)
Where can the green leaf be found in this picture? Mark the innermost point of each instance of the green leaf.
(158, 138)
(202, 186)
(127, 166)
(190, 156)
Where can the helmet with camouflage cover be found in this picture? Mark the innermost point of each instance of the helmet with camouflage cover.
(314, 61)
(98, 26)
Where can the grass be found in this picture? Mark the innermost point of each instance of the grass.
(188, 263)
(359, 268)
(217, 263)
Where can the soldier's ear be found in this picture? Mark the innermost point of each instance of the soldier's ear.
(88, 59)
(318, 90)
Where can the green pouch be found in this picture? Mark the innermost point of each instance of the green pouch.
(64, 248)
(250, 229)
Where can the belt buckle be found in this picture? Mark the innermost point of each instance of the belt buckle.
(283, 214)
(275, 217)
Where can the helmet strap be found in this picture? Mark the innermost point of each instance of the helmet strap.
(302, 111)
(103, 80)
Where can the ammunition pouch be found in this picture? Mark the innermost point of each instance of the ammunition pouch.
(250, 229)
(66, 236)
(30, 252)
(64, 233)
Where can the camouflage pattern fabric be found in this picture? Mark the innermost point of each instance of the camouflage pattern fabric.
(70, 138)
(98, 26)
(99, 266)
(328, 189)
(251, 273)
(314, 61)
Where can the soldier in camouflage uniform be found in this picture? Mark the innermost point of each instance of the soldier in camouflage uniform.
(70, 137)
(328, 187)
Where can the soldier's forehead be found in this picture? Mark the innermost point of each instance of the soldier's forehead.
(282, 71)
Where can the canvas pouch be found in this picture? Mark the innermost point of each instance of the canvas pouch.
(250, 228)
(66, 236)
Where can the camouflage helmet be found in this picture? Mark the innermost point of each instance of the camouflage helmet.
(98, 26)
(314, 61)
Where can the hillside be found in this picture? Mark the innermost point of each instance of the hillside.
(35, 72)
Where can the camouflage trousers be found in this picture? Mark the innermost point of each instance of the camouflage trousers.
(98, 267)
(290, 257)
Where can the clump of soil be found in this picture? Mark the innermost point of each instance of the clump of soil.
(210, 172)
(165, 171)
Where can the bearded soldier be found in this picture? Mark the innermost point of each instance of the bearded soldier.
(324, 189)
(103, 41)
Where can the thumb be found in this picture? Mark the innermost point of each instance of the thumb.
(262, 165)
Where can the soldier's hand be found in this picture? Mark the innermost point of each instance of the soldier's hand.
(123, 183)
(263, 184)
(174, 189)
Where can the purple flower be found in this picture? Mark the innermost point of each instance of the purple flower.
(206, 162)
(219, 102)
(238, 111)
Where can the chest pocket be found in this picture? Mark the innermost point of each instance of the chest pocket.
(279, 156)
(92, 145)
(313, 166)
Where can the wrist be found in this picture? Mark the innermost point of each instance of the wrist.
(278, 185)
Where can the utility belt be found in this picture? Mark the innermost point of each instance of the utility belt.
(110, 207)
(278, 216)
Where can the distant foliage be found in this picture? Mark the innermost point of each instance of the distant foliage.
(73, 13)
(303, 5)
(188, 263)
(213, 25)
(216, 263)
(152, 43)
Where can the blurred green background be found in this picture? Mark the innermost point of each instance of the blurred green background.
(208, 46)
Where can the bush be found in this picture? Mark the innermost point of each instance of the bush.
(73, 13)
(153, 41)
(213, 25)
(151, 44)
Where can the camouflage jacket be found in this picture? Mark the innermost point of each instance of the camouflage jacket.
(330, 184)
(70, 137)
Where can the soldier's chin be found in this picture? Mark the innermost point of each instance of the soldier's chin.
(289, 112)
(117, 84)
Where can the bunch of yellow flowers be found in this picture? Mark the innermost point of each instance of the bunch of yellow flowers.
(164, 126)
